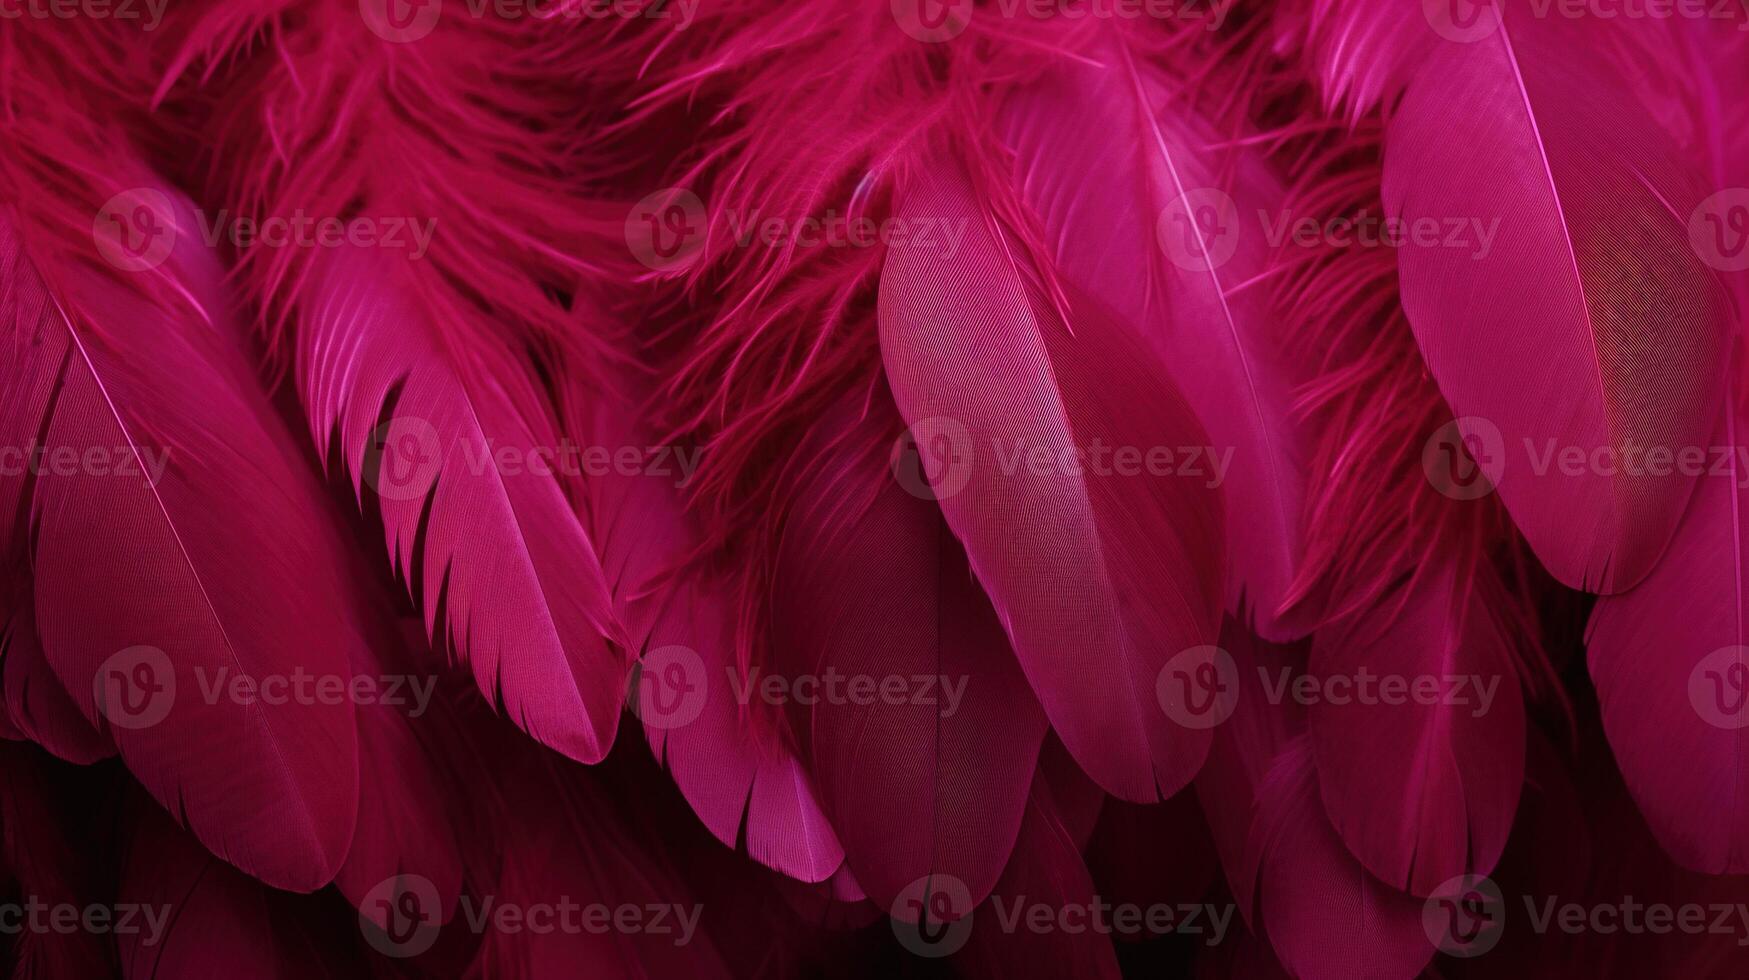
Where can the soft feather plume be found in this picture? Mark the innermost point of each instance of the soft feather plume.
(417, 364)
(1289, 872)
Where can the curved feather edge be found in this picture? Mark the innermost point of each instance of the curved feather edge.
(1112, 155)
(871, 583)
(1119, 571)
(744, 782)
(1292, 877)
(153, 584)
(1602, 332)
(1421, 775)
(491, 550)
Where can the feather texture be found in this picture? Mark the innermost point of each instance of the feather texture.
(1419, 736)
(198, 592)
(1588, 326)
(929, 776)
(496, 550)
(37, 706)
(1075, 561)
(1290, 873)
(1115, 156)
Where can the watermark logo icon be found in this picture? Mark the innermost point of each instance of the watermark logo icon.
(1463, 21)
(136, 229)
(135, 688)
(1718, 230)
(932, 459)
(403, 458)
(932, 916)
(399, 917)
(1718, 688)
(401, 21)
(1465, 458)
(666, 230)
(1199, 231)
(1199, 687)
(933, 21)
(1465, 915)
(669, 687)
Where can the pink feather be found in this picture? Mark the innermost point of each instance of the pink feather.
(1667, 657)
(1423, 792)
(179, 571)
(1590, 324)
(497, 559)
(1290, 873)
(871, 583)
(37, 706)
(1105, 152)
(1119, 570)
(215, 921)
(1046, 871)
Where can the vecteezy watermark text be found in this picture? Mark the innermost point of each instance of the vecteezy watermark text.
(137, 688)
(936, 458)
(125, 462)
(149, 12)
(39, 917)
(401, 917)
(934, 21)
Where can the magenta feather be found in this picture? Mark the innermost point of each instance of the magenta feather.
(43, 856)
(205, 589)
(741, 778)
(744, 781)
(1600, 328)
(37, 706)
(1289, 871)
(213, 921)
(1107, 152)
(1422, 785)
(1325, 915)
(1046, 871)
(980, 344)
(871, 584)
(1667, 657)
(422, 425)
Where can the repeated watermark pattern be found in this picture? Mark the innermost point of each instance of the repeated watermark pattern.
(1718, 229)
(935, 458)
(34, 915)
(1467, 916)
(409, 454)
(400, 917)
(147, 13)
(1200, 688)
(933, 917)
(137, 229)
(123, 462)
(935, 21)
(671, 685)
(406, 21)
(1202, 229)
(838, 231)
(136, 688)
(1718, 688)
(1467, 457)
